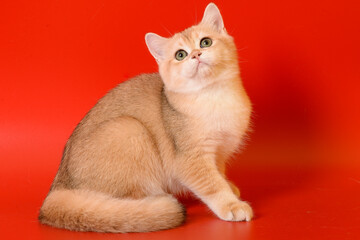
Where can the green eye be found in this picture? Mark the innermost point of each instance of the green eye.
(205, 42)
(180, 54)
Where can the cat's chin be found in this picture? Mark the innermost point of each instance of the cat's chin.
(202, 70)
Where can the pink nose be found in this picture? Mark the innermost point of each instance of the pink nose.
(196, 54)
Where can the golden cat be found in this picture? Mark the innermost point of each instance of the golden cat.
(157, 135)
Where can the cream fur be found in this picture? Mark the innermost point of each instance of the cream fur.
(156, 135)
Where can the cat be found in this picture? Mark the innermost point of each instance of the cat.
(155, 136)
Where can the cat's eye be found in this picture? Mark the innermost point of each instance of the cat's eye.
(180, 54)
(205, 42)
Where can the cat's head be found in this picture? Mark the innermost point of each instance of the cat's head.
(197, 57)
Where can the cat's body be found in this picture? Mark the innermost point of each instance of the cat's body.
(152, 137)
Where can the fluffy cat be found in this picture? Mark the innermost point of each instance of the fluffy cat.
(155, 136)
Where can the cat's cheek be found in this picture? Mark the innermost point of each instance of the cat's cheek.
(177, 82)
(208, 57)
(167, 71)
(187, 70)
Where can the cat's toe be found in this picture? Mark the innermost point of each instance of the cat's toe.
(237, 211)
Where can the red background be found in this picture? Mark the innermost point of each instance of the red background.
(300, 65)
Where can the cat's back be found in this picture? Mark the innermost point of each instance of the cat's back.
(138, 97)
(138, 92)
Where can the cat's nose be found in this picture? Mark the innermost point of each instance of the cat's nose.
(196, 54)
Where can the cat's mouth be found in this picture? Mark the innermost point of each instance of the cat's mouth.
(198, 69)
(201, 63)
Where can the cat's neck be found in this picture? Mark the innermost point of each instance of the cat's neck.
(217, 97)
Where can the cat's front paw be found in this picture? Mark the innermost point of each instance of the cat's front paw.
(228, 207)
(235, 211)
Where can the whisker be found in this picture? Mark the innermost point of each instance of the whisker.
(243, 48)
(163, 26)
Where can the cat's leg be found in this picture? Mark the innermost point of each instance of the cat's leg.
(234, 188)
(221, 165)
(200, 174)
(117, 186)
(118, 158)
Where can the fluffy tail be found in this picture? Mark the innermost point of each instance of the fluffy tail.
(82, 210)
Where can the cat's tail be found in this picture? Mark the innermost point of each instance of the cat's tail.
(82, 210)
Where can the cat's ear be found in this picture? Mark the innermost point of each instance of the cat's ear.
(156, 45)
(213, 17)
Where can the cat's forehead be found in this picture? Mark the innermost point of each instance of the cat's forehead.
(189, 35)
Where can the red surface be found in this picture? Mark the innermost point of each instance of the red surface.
(300, 64)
